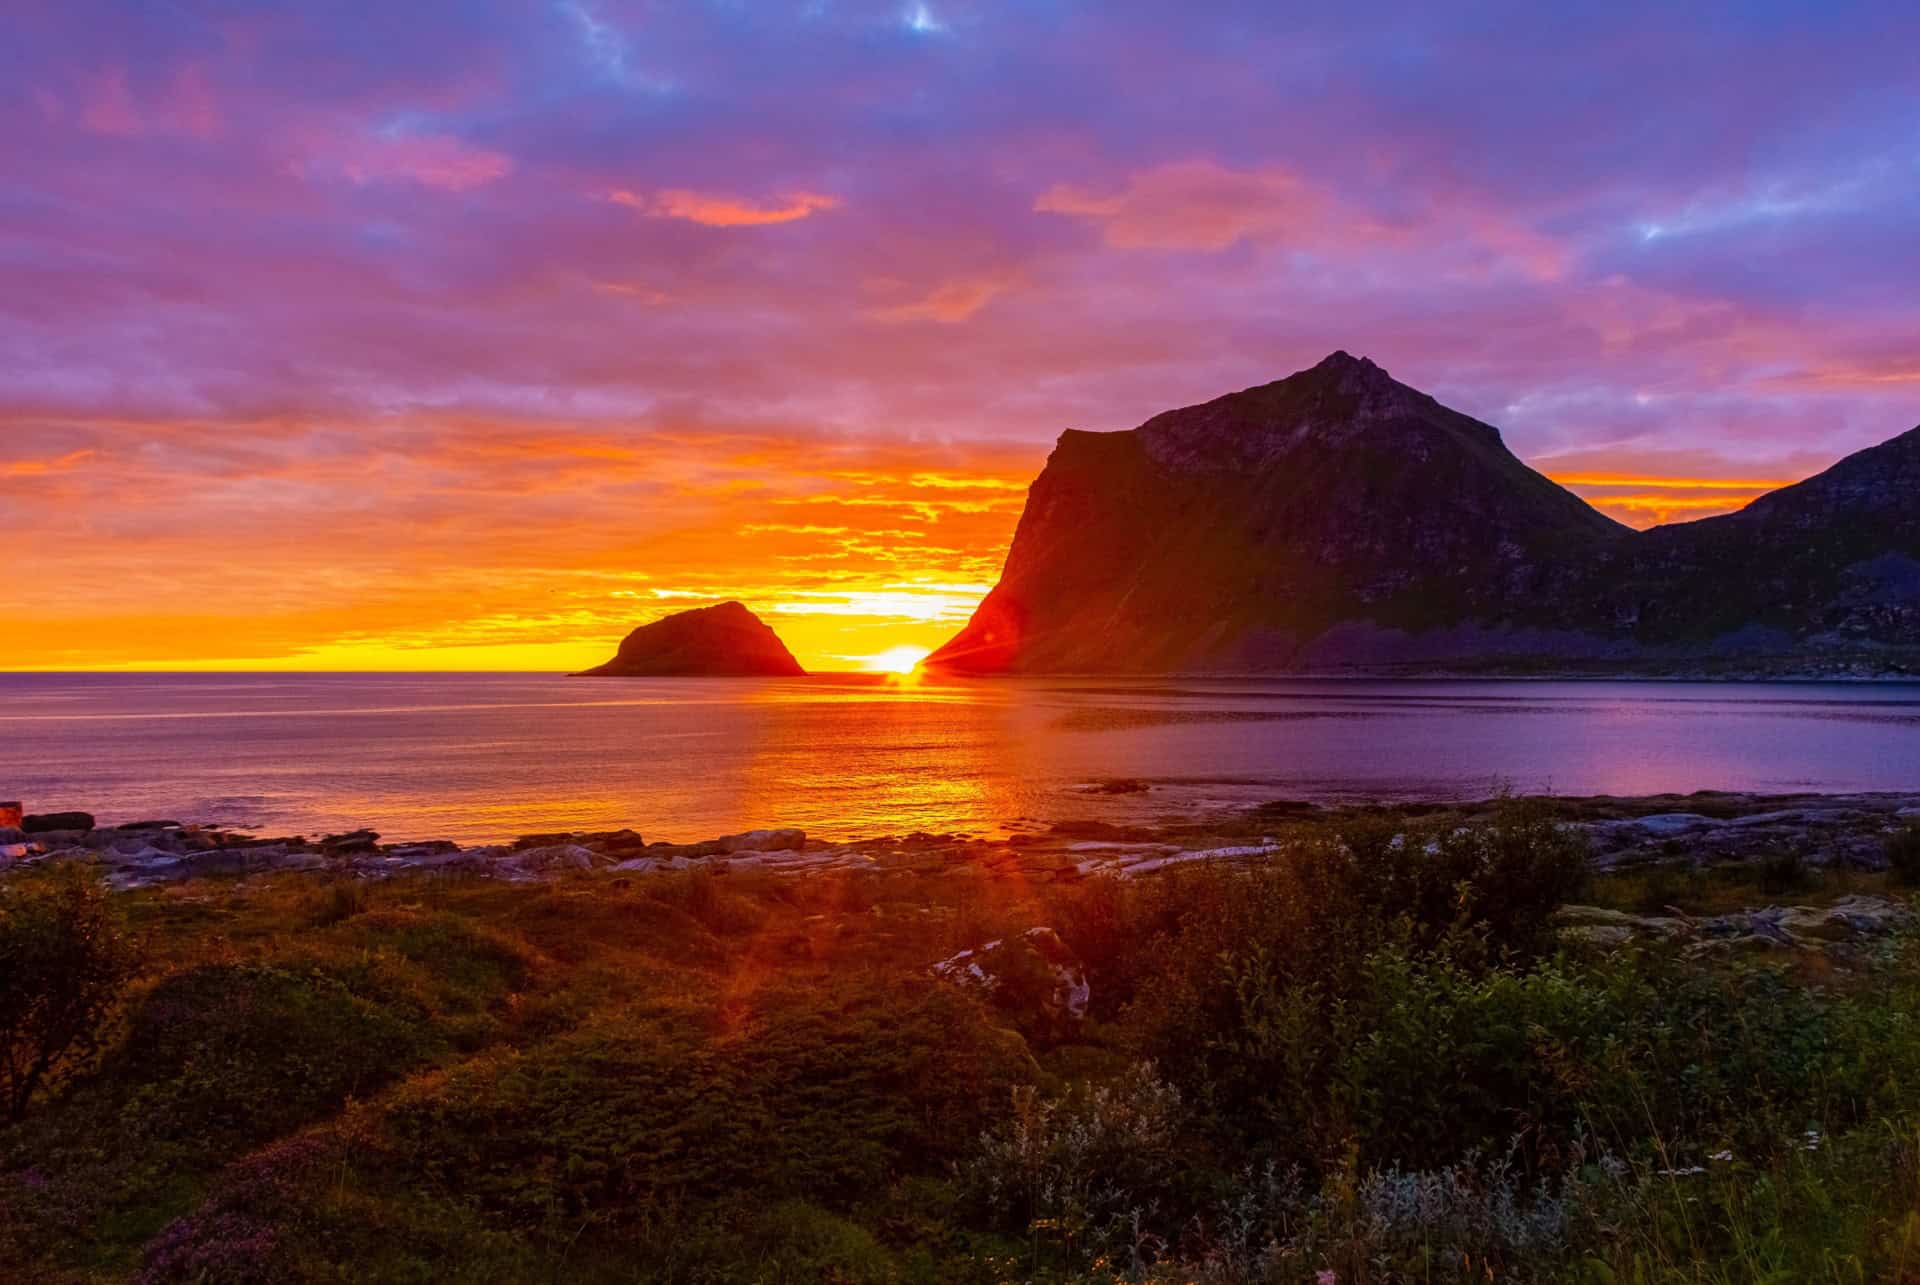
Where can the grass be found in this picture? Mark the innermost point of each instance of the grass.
(1369, 1056)
(1724, 889)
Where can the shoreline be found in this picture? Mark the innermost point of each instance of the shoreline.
(1825, 830)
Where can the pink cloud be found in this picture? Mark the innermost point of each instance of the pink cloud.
(433, 160)
(1202, 205)
(951, 301)
(718, 211)
(110, 107)
(1197, 205)
(191, 107)
(109, 104)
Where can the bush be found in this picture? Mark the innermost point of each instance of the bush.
(235, 1054)
(65, 962)
(1074, 1168)
(1903, 855)
(816, 1093)
(337, 902)
(1784, 871)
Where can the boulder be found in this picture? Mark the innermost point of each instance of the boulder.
(1035, 975)
(763, 841)
(52, 821)
(351, 843)
(425, 848)
(556, 859)
(59, 840)
(12, 834)
(248, 860)
(1854, 916)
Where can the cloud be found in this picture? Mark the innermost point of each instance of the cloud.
(324, 401)
(951, 301)
(432, 160)
(717, 211)
(185, 106)
(40, 468)
(1642, 485)
(449, 533)
(1199, 205)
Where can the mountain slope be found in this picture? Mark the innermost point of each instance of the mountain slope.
(1340, 520)
(1829, 563)
(1230, 535)
(725, 641)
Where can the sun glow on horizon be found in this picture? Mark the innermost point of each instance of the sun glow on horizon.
(904, 659)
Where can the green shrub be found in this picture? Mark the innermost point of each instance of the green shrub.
(1663, 888)
(796, 1243)
(819, 1094)
(1784, 871)
(1903, 855)
(1072, 1168)
(337, 902)
(235, 1054)
(65, 960)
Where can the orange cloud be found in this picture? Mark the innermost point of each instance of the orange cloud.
(1195, 205)
(1882, 374)
(715, 211)
(628, 290)
(39, 468)
(950, 302)
(1641, 499)
(470, 542)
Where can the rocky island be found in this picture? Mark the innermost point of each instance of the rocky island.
(1339, 521)
(724, 641)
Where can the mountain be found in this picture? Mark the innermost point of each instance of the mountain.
(726, 641)
(1338, 520)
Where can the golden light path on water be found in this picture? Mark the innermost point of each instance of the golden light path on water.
(482, 757)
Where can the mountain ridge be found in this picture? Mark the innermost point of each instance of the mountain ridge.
(1338, 520)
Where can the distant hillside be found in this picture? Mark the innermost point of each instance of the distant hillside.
(1338, 520)
(726, 641)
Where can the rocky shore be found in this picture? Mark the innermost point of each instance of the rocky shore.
(1837, 831)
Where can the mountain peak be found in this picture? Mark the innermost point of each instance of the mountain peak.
(1232, 533)
(1342, 362)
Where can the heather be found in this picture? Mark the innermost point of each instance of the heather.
(1375, 1051)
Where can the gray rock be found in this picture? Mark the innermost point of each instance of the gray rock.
(1665, 824)
(762, 841)
(1035, 973)
(560, 858)
(81, 821)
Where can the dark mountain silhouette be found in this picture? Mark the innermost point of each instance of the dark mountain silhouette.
(726, 641)
(1340, 520)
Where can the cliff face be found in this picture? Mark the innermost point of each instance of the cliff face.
(726, 641)
(1339, 519)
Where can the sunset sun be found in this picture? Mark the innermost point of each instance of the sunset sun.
(903, 659)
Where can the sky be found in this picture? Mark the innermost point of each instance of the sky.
(466, 335)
